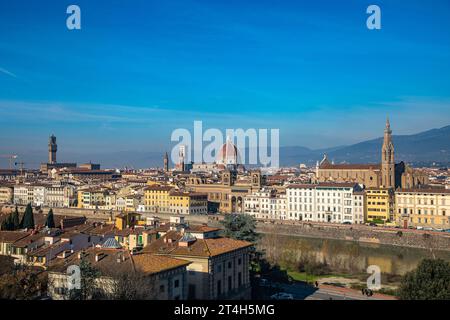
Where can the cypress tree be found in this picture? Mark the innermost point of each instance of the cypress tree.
(15, 219)
(50, 222)
(28, 219)
(10, 223)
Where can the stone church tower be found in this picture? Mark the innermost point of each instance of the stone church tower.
(387, 159)
(166, 162)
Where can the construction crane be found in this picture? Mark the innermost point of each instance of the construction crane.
(21, 164)
(11, 157)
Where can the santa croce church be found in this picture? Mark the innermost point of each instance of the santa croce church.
(387, 174)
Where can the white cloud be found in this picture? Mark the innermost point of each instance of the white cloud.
(4, 71)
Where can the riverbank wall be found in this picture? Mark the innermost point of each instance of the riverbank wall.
(362, 234)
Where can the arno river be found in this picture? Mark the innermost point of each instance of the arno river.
(345, 256)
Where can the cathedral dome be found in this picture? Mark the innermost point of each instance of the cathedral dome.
(228, 154)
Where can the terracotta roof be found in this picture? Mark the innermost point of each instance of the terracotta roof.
(12, 236)
(322, 185)
(158, 188)
(150, 263)
(23, 242)
(107, 263)
(425, 190)
(201, 247)
(202, 228)
(350, 166)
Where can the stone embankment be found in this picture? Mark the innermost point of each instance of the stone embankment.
(360, 233)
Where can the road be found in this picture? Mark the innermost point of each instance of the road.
(302, 291)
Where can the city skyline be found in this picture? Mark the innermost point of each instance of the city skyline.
(435, 140)
(135, 73)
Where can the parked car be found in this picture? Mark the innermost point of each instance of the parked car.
(282, 296)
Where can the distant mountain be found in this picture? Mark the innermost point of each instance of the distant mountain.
(421, 149)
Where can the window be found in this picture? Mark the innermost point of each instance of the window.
(176, 283)
(229, 264)
(219, 287)
(240, 259)
(161, 288)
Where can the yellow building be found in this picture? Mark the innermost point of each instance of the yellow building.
(156, 198)
(379, 205)
(127, 220)
(429, 208)
(91, 199)
(188, 203)
(165, 199)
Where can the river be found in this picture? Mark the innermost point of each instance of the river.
(344, 256)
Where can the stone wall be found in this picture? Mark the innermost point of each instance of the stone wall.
(396, 237)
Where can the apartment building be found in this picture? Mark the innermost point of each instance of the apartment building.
(266, 204)
(28, 193)
(92, 199)
(380, 205)
(359, 207)
(6, 194)
(166, 199)
(219, 267)
(59, 195)
(428, 208)
(160, 277)
(156, 198)
(324, 202)
(188, 203)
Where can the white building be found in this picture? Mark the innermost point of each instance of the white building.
(325, 202)
(56, 195)
(266, 204)
(358, 207)
(59, 195)
(21, 195)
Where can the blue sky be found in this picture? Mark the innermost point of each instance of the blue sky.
(139, 69)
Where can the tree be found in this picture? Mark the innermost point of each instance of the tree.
(240, 227)
(430, 281)
(15, 219)
(50, 222)
(8, 224)
(27, 219)
(89, 276)
(22, 283)
(131, 286)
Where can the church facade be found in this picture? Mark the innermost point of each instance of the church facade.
(386, 174)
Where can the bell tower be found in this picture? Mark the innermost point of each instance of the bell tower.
(387, 158)
(52, 148)
(166, 162)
